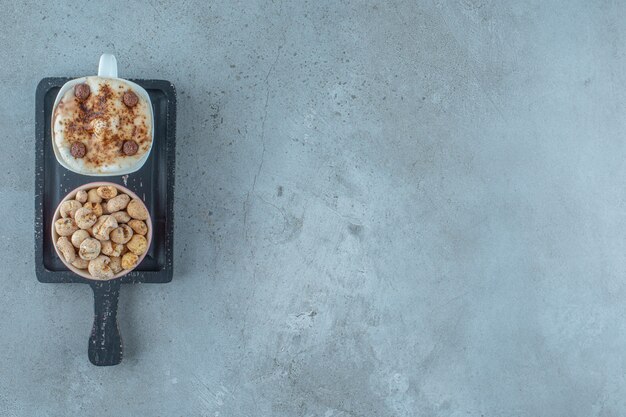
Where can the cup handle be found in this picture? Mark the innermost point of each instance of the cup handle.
(108, 66)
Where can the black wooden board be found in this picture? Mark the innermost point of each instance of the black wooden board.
(154, 183)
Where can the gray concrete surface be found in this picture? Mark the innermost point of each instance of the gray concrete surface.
(383, 209)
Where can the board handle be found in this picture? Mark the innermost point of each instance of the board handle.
(105, 342)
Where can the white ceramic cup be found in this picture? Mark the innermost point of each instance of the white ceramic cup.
(107, 68)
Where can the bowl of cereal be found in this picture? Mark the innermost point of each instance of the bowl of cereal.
(101, 231)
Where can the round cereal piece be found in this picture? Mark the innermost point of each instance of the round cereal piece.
(106, 192)
(100, 268)
(137, 210)
(78, 150)
(81, 196)
(116, 264)
(82, 91)
(121, 217)
(66, 248)
(130, 99)
(78, 237)
(85, 217)
(138, 227)
(129, 260)
(103, 227)
(137, 244)
(118, 203)
(65, 227)
(89, 249)
(130, 147)
(95, 207)
(80, 263)
(122, 234)
(68, 208)
(106, 247)
(111, 249)
(93, 197)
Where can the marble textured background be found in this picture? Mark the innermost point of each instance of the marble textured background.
(384, 208)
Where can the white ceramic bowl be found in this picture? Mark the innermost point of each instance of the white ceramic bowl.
(106, 69)
(71, 195)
